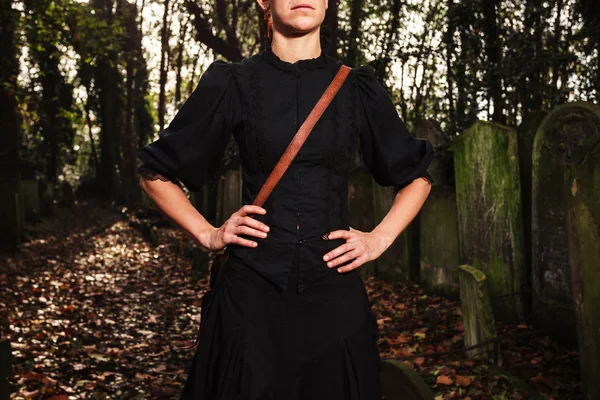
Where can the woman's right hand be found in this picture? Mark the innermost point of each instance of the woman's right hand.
(239, 223)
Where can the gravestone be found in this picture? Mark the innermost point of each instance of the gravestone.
(395, 263)
(566, 232)
(558, 144)
(478, 316)
(438, 223)
(488, 199)
(525, 136)
(230, 196)
(401, 382)
(360, 205)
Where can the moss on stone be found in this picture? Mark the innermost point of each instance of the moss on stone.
(478, 317)
(489, 211)
(582, 187)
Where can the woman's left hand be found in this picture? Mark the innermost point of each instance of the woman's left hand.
(360, 246)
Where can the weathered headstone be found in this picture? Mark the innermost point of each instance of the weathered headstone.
(525, 137)
(231, 194)
(360, 204)
(438, 224)
(400, 382)
(490, 224)
(566, 231)
(478, 316)
(395, 263)
(562, 140)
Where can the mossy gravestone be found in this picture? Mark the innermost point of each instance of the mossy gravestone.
(561, 142)
(566, 231)
(488, 201)
(478, 317)
(438, 224)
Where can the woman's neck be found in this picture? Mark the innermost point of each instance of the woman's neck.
(292, 49)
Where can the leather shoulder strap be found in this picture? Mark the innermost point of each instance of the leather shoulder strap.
(300, 136)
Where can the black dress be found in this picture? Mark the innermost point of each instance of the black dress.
(281, 324)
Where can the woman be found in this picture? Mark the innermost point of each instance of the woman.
(290, 317)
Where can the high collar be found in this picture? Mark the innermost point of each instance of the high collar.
(321, 61)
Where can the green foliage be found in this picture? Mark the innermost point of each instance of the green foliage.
(454, 61)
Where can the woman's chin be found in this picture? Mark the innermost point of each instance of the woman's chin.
(303, 25)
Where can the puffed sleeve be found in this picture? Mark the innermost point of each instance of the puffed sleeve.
(191, 147)
(391, 154)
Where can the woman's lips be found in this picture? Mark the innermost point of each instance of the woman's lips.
(303, 6)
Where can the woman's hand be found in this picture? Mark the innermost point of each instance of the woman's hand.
(239, 223)
(360, 246)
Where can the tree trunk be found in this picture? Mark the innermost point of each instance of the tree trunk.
(450, 48)
(493, 50)
(164, 44)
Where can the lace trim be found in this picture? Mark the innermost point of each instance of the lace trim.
(330, 200)
(257, 123)
(426, 178)
(149, 173)
(320, 61)
(257, 93)
(353, 120)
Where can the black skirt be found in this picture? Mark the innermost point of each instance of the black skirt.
(260, 343)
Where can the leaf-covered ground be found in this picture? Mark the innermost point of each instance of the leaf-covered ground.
(95, 312)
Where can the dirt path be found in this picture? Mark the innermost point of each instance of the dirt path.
(95, 312)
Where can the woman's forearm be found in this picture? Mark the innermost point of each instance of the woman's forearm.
(405, 208)
(173, 202)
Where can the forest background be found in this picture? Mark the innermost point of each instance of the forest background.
(86, 84)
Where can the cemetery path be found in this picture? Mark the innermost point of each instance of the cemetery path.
(94, 311)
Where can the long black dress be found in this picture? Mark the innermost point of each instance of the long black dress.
(281, 324)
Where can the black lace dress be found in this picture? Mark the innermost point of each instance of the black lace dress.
(282, 325)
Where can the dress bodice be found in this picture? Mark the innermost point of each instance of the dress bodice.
(262, 100)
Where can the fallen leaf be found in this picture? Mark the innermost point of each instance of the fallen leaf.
(444, 380)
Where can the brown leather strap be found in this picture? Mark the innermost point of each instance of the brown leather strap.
(300, 136)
